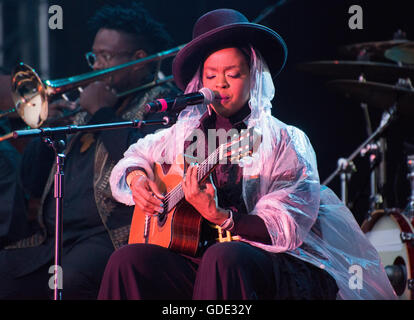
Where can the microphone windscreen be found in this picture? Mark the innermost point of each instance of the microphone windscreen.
(208, 94)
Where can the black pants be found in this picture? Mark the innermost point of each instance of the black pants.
(232, 270)
(82, 266)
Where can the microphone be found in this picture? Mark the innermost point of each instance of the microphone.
(179, 103)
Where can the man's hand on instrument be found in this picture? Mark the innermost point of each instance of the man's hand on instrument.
(203, 197)
(146, 195)
(58, 111)
(97, 95)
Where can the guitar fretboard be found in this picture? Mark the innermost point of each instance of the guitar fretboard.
(173, 197)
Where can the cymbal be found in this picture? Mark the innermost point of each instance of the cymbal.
(378, 71)
(377, 95)
(403, 53)
(373, 49)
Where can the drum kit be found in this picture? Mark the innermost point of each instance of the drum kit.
(391, 65)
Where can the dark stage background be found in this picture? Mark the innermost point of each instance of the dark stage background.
(313, 30)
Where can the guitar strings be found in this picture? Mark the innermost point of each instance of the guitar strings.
(177, 192)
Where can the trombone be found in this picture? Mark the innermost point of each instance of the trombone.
(31, 95)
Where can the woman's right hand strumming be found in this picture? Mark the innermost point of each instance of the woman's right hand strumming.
(146, 195)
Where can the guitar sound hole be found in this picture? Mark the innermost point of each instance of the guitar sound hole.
(162, 217)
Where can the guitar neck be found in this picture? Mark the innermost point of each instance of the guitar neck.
(242, 145)
(204, 169)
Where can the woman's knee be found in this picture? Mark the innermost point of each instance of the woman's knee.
(226, 255)
(139, 257)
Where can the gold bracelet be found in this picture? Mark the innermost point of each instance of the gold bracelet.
(132, 175)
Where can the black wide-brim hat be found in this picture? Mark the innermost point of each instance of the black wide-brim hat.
(226, 27)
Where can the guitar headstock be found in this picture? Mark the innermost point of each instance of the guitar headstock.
(241, 145)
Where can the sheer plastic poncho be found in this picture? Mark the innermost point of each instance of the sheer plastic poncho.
(281, 185)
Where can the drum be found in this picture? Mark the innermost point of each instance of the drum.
(391, 233)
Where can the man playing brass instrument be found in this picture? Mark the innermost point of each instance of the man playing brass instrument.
(94, 224)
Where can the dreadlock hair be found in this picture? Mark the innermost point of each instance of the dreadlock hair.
(133, 19)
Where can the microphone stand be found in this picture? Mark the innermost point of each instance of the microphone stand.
(345, 166)
(53, 137)
(345, 169)
(58, 145)
(376, 155)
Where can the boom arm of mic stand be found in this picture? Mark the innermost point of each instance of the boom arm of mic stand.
(70, 129)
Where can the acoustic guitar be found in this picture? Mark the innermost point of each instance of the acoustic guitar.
(180, 226)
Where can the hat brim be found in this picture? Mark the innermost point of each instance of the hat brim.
(265, 40)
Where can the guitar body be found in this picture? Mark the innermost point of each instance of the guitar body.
(179, 229)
